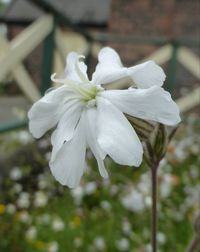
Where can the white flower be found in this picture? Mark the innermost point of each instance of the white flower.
(134, 201)
(23, 200)
(126, 227)
(40, 199)
(90, 188)
(166, 186)
(31, 233)
(10, 209)
(123, 244)
(24, 137)
(15, 173)
(24, 217)
(53, 247)
(161, 238)
(105, 205)
(87, 115)
(99, 243)
(58, 224)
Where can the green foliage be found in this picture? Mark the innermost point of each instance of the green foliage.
(94, 217)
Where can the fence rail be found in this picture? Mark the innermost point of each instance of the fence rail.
(57, 42)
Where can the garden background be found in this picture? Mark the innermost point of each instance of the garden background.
(36, 213)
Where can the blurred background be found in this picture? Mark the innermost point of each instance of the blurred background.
(36, 213)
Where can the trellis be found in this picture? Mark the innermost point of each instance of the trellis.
(46, 29)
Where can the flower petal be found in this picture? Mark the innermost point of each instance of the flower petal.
(116, 136)
(147, 74)
(76, 69)
(69, 163)
(66, 126)
(110, 69)
(153, 104)
(91, 135)
(45, 113)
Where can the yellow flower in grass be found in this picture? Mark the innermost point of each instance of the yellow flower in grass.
(2, 208)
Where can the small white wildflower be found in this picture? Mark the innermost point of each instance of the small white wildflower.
(134, 201)
(10, 209)
(148, 248)
(180, 152)
(165, 186)
(161, 238)
(58, 224)
(16, 173)
(31, 233)
(123, 244)
(144, 184)
(23, 200)
(24, 137)
(40, 199)
(90, 188)
(148, 201)
(105, 205)
(99, 243)
(53, 247)
(24, 217)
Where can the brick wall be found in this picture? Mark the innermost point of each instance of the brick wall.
(171, 19)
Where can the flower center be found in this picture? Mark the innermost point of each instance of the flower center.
(87, 91)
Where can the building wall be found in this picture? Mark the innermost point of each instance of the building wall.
(170, 19)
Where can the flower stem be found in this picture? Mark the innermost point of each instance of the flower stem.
(154, 208)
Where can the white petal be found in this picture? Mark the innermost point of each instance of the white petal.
(150, 104)
(91, 136)
(116, 136)
(110, 57)
(147, 74)
(45, 113)
(66, 126)
(68, 165)
(110, 69)
(76, 69)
